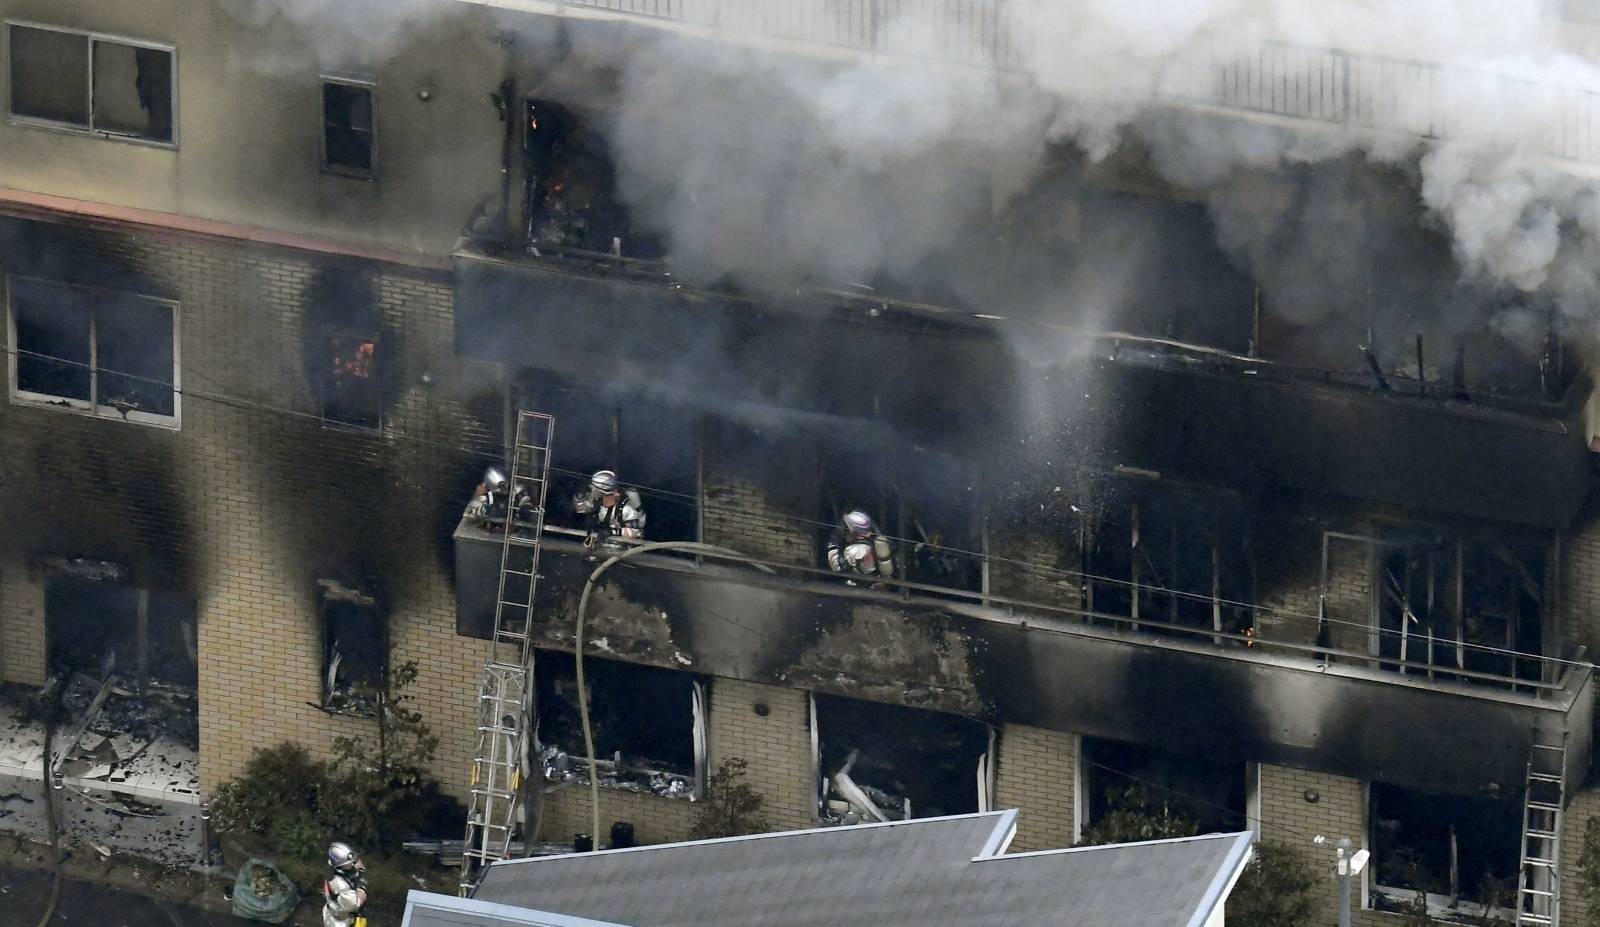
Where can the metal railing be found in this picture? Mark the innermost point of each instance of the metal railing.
(1289, 633)
(1325, 86)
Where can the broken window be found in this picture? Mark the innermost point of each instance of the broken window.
(878, 762)
(128, 665)
(355, 650)
(115, 87)
(652, 446)
(1133, 792)
(352, 393)
(1461, 852)
(146, 637)
(111, 353)
(1430, 600)
(648, 724)
(347, 127)
(570, 193)
(1166, 555)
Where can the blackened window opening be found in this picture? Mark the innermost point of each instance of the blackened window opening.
(570, 194)
(1162, 556)
(898, 757)
(1451, 846)
(1440, 600)
(643, 719)
(130, 95)
(347, 128)
(355, 651)
(1137, 792)
(102, 349)
(352, 391)
(652, 446)
(146, 636)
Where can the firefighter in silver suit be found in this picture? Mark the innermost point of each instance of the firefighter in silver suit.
(344, 891)
(857, 548)
(610, 511)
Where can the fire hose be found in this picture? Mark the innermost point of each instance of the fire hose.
(693, 547)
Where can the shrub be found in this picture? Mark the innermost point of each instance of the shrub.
(1135, 817)
(731, 807)
(277, 781)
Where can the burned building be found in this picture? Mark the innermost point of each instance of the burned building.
(1211, 551)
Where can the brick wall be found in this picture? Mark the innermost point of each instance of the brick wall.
(21, 627)
(777, 746)
(253, 500)
(654, 819)
(1340, 811)
(1037, 775)
(1580, 576)
(760, 493)
(738, 514)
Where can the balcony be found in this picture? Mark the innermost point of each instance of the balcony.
(1297, 86)
(1203, 690)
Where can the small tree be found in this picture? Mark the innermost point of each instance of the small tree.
(1275, 889)
(374, 786)
(731, 807)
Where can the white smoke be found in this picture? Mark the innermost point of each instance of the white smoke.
(774, 170)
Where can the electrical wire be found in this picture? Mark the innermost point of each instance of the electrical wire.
(1320, 620)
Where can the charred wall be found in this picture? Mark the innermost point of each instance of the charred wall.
(256, 495)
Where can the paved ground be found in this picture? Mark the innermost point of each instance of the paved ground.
(23, 893)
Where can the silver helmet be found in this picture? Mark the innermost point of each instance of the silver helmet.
(858, 523)
(342, 857)
(494, 480)
(604, 480)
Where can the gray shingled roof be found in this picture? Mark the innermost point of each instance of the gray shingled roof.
(913, 873)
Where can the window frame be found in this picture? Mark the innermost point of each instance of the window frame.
(90, 38)
(1438, 905)
(328, 593)
(370, 85)
(91, 406)
(328, 377)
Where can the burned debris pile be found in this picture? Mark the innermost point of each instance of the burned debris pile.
(648, 725)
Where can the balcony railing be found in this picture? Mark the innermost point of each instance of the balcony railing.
(1287, 81)
(1283, 633)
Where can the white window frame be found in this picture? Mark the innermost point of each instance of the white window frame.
(91, 38)
(91, 406)
(335, 170)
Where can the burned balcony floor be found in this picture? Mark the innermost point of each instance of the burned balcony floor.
(1007, 661)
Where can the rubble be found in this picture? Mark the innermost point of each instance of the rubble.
(136, 746)
(561, 767)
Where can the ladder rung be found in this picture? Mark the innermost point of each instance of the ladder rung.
(1545, 777)
(1556, 747)
(1527, 917)
(515, 573)
(1540, 861)
(1538, 891)
(1542, 834)
(1543, 806)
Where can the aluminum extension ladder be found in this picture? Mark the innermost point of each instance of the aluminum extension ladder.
(1539, 876)
(505, 702)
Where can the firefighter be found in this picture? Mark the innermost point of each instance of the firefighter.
(610, 511)
(857, 547)
(490, 500)
(344, 891)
